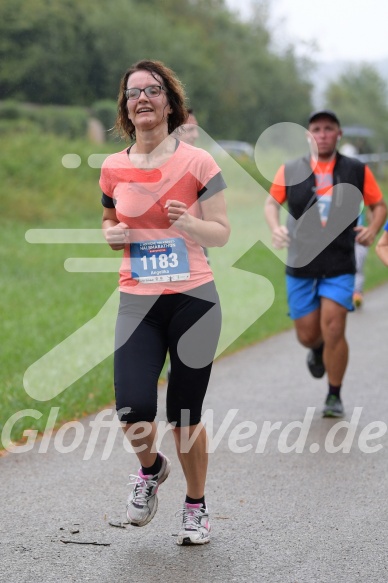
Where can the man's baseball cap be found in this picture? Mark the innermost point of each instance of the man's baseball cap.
(323, 113)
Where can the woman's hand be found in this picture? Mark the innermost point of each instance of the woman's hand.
(177, 214)
(212, 230)
(117, 236)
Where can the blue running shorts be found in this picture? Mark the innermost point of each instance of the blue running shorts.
(304, 293)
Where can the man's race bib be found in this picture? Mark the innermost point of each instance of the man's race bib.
(324, 204)
(160, 260)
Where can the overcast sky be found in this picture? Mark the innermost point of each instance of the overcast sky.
(354, 30)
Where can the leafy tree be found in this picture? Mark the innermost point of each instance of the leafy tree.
(75, 53)
(40, 48)
(360, 98)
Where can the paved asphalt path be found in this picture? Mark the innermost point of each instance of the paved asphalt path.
(277, 516)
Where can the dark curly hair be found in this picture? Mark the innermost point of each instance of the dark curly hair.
(174, 91)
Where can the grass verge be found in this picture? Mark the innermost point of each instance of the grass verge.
(43, 304)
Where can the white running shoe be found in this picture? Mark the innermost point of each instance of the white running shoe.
(195, 525)
(142, 502)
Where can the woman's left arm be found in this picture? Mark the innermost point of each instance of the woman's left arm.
(212, 230)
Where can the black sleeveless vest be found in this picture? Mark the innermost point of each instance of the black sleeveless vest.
(317, 251)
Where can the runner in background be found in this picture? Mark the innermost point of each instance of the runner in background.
(361, 252)
(320, 287)
(382, 246)
(189, 131)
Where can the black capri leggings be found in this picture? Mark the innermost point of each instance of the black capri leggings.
(188, 326)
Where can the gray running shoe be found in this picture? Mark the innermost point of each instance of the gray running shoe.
(333, 407)
(142, 502)
(195, 525)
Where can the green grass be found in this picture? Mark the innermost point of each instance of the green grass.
(43, 304)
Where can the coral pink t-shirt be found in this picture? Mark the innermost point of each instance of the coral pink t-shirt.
(160, 258)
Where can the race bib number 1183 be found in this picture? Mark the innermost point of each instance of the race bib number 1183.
(159, 261)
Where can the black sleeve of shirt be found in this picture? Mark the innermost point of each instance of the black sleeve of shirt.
(215, 184)
(107, 201)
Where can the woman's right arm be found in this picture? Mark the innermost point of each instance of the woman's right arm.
(115, 233)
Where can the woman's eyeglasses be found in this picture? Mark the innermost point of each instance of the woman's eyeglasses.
(150, 91)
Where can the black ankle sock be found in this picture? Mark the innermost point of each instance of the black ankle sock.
(154, 469)
(334, 390)
(318, 351)
(195, 500)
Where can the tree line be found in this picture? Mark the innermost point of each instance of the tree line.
(360, 97)
(67, 52)
(74, 53)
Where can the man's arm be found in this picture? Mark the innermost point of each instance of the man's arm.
(280, 237)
